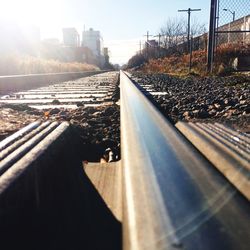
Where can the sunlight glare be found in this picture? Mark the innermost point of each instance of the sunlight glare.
(41, 13)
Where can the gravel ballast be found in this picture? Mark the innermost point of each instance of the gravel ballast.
(209, 99)
(97, 125)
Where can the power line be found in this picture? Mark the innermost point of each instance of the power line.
(159, 43)
(147, 42)
(189, 10)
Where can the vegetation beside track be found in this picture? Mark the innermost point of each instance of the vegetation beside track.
(21, 65)
(178, 63)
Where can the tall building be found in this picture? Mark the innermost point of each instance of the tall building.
(71, 37)
(93, 40)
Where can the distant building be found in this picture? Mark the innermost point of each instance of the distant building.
(242, 24)
(71, 37)
(105, 51)
(106, 55)
(93, 40)
(84, 54)
(91, 50)
(151, 43)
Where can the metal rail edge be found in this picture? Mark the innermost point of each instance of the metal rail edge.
(173, 198)
(228, 150)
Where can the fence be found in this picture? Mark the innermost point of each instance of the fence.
(229, 26)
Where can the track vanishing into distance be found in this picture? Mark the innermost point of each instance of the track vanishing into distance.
(175, 187)
(71, 94)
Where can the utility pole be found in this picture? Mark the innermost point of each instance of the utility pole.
(140, 47)
(189, 10)
(147, 42)
(159, 43)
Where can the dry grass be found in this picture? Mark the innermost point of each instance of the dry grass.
(225, 55)
(177, 64)
(16, 65)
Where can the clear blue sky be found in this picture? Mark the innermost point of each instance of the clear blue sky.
(121, 22)
(131, 18)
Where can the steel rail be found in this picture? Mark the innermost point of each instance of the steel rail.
(173, 198)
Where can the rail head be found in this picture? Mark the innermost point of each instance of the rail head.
(173, 197)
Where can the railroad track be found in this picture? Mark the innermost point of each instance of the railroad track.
(167, 192)
(88, 91)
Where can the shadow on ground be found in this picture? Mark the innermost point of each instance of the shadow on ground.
(53, 205)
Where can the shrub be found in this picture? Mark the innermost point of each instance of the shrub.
(178, 64)
(136, 61)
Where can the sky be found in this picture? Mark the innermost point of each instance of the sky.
(122, 23)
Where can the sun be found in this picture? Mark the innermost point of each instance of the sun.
(32, 12)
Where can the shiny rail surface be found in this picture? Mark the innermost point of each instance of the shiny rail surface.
(173, 197)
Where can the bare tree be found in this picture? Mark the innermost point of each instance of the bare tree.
(174, 33)
(197, 28)
(172, 30)
(173, 40)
